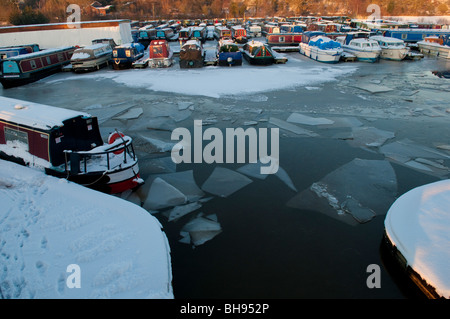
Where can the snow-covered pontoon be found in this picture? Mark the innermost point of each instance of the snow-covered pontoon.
(67, 144)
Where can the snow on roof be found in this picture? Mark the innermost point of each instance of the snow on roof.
(35, 115)
(120, 249)
(418, 224)
(38, 53)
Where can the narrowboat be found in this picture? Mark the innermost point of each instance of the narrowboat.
(414, 35)
(10, 51)
(359, 45)
(254, 31)
(124, 55)
(91, 57)
(191, 55)
(222, 32)
(228, 53)
(184, 34)
(164, 34)
(160, 54)
(27, 68)
(391, 48)
(146, 35)
(291, 28)
(436, 46)
(258, 53)
(284, 41)
(198, 33)
(317, 46)
(239, 34)
(67, 144)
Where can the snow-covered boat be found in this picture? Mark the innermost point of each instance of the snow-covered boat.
(437, 46)
(228, 53)
(91, 57)
(160, 54)
(239, 34)
(284, 41)
(317, 46)
(391, 48)
(27, 68)
(258, 53)
(124, 55)
(67, 144)
(254, 31)
(359, 45)
(10, 51)
(191, 55)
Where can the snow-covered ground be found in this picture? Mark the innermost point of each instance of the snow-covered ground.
(48, 224)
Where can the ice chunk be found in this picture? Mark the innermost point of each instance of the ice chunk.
(182, 210)
(308, 120)
(373, 88)
(291, 127)
(200, 230)
(353, 193)
(159, 145)
(369, 136)
(180, 115)
(224, 182)
(130, 114)
(163, 195)
(346, 122)
(184, 105)
(184, 181)
(283, 176)
(407, 148)
(105, 113)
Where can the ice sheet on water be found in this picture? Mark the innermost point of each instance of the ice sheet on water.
(223, 182)
(184, 181)
(369, 137)
(163, 195)
(183, 105)
(373, 88)
(354, 193)
(158, 144)
(105, 113)
(130, 114)
(180, 211)
(200, 229)
(157, 165)
(345, 122)
(291, 127)
(409, 149)
(254, 170)
(181, 115)
(308, 120)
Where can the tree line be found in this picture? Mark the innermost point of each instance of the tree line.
(42, 11)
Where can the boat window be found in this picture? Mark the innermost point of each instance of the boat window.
(404, 36)
(10, 67)
(60, 57)
(281, 39)
(14, 136)
(128, 53)
(48, 60)
(33, 64)
(115, 53)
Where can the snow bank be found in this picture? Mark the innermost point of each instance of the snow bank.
(418, 223)
(218, 81)
(47, 224)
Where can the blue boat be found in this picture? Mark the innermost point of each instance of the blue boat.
(11, 51)
(228, 53)
(124, 55)
(415, 35)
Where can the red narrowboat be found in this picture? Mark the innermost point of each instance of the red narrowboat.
(284, 41)
(66, 144)
(239, 34)
(160, 54)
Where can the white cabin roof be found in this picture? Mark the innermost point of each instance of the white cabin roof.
(35, 115)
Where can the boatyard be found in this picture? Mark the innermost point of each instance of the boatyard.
(359, 133)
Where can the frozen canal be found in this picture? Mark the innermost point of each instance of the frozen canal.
(353, 138)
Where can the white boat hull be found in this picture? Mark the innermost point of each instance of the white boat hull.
(325, 56)
(364, 56)
(394, 54)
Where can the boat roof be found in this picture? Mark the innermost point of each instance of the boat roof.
(386, 39)
(39, 53)
(35, 115)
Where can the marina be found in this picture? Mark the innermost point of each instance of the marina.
(354, 139)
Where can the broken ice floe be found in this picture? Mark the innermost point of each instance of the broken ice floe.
(223, 182)
(180, 211)
(163, 195)
(184, 181)
(159, 145)
(130, 114)
(104, 113)
(369, 137)
(291, 127)
(416, 156)
(354, 193)
(373, 88)
(308, 120)
(254, 170)
(200, 229)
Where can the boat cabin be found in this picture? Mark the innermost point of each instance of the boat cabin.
(124, 55)
(239, 34)
(199, 33)
(10, 51)
(91, 57)
(222, 32)
(67, 144)
(191, 54)
(160, 54)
